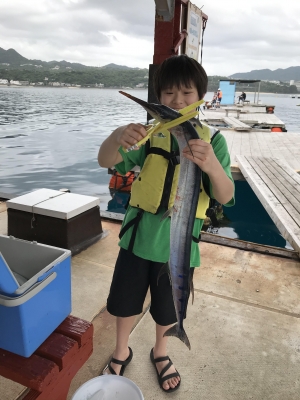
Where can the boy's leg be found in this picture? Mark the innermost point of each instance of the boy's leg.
(163, 312)
(124, 326)
(126, 298)
(160, 350)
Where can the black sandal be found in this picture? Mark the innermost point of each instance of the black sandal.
(123, 363)
(160, 377)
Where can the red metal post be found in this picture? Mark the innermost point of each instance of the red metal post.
(167, 34)
(168, 37)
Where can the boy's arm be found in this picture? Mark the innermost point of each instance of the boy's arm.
(222, 186)
(203, 155)
(125, 136)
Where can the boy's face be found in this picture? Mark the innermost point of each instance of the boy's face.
(179, 98)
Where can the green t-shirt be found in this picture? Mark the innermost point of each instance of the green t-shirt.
(152, 241)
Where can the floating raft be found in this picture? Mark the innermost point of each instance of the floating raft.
(277, 186)
(253, 115)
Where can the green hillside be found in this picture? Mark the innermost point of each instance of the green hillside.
(13, 66)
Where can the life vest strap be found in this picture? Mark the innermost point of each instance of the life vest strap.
(196, 240)
(134, 222)
(172, 156)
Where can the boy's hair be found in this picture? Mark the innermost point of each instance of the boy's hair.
(180, 71)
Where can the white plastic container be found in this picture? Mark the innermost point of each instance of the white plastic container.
(27, 263)
(108, 387)
(8, 282)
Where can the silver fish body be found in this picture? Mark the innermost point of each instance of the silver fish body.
(182, 223)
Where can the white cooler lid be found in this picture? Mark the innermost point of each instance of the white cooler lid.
(53, 203)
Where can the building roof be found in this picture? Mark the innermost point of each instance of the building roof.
(241, 80)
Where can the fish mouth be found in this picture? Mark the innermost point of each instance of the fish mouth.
(159, 112)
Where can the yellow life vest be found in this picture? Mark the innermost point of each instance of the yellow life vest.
(147, 190)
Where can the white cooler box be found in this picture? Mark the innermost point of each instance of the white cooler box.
(66, 220)
(42, 296)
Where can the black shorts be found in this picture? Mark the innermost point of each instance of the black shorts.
(132, 278)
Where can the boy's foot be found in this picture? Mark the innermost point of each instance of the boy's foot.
(167, 375)
(118, 363)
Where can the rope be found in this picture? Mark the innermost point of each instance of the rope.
(203, 29)
(33, 217)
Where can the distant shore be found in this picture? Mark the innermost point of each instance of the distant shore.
(297, 95)
(69, 87)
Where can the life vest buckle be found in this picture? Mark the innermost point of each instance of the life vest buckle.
(174, 159)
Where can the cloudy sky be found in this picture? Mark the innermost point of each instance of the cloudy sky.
(240, 35)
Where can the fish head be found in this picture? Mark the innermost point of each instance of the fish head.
(159, 112)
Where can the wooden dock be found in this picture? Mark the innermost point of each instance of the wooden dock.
(277, 186)
(251, 115)
(260, 119)
(283, 145)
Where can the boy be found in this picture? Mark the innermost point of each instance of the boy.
(145, 239)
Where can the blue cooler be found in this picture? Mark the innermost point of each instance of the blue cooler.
(42, 299)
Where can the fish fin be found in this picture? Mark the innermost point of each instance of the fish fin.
(168, 213)
(179, 333)
(192, 289)
(164, 270)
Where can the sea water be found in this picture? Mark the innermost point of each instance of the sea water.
(50, 137)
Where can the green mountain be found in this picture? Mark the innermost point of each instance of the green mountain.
(12, 57)
(16, 60)
(283, 75)
(115, 66)
(111, 75)
(118, 76)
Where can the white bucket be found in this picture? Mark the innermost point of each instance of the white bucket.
(108, 387)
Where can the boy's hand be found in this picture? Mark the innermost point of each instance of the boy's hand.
(202, 155)
(131, 134)
(205, 158)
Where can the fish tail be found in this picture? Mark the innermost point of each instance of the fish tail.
(179, 333)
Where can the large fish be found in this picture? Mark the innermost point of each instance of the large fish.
(183, 213)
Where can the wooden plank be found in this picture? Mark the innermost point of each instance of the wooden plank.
(236, 147)
(289, 203)
(246, 149)
(281, 145)
(59, 390)
(287, 182)
(268, 120)
(236, 124)
(248, 246)
(59, 349)
(287, 226)
(254, 145)
(288, 173)
(284, 222)
(270, 180)
(55, 360)
(76, 328)
(229, 140)
(34, 372)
